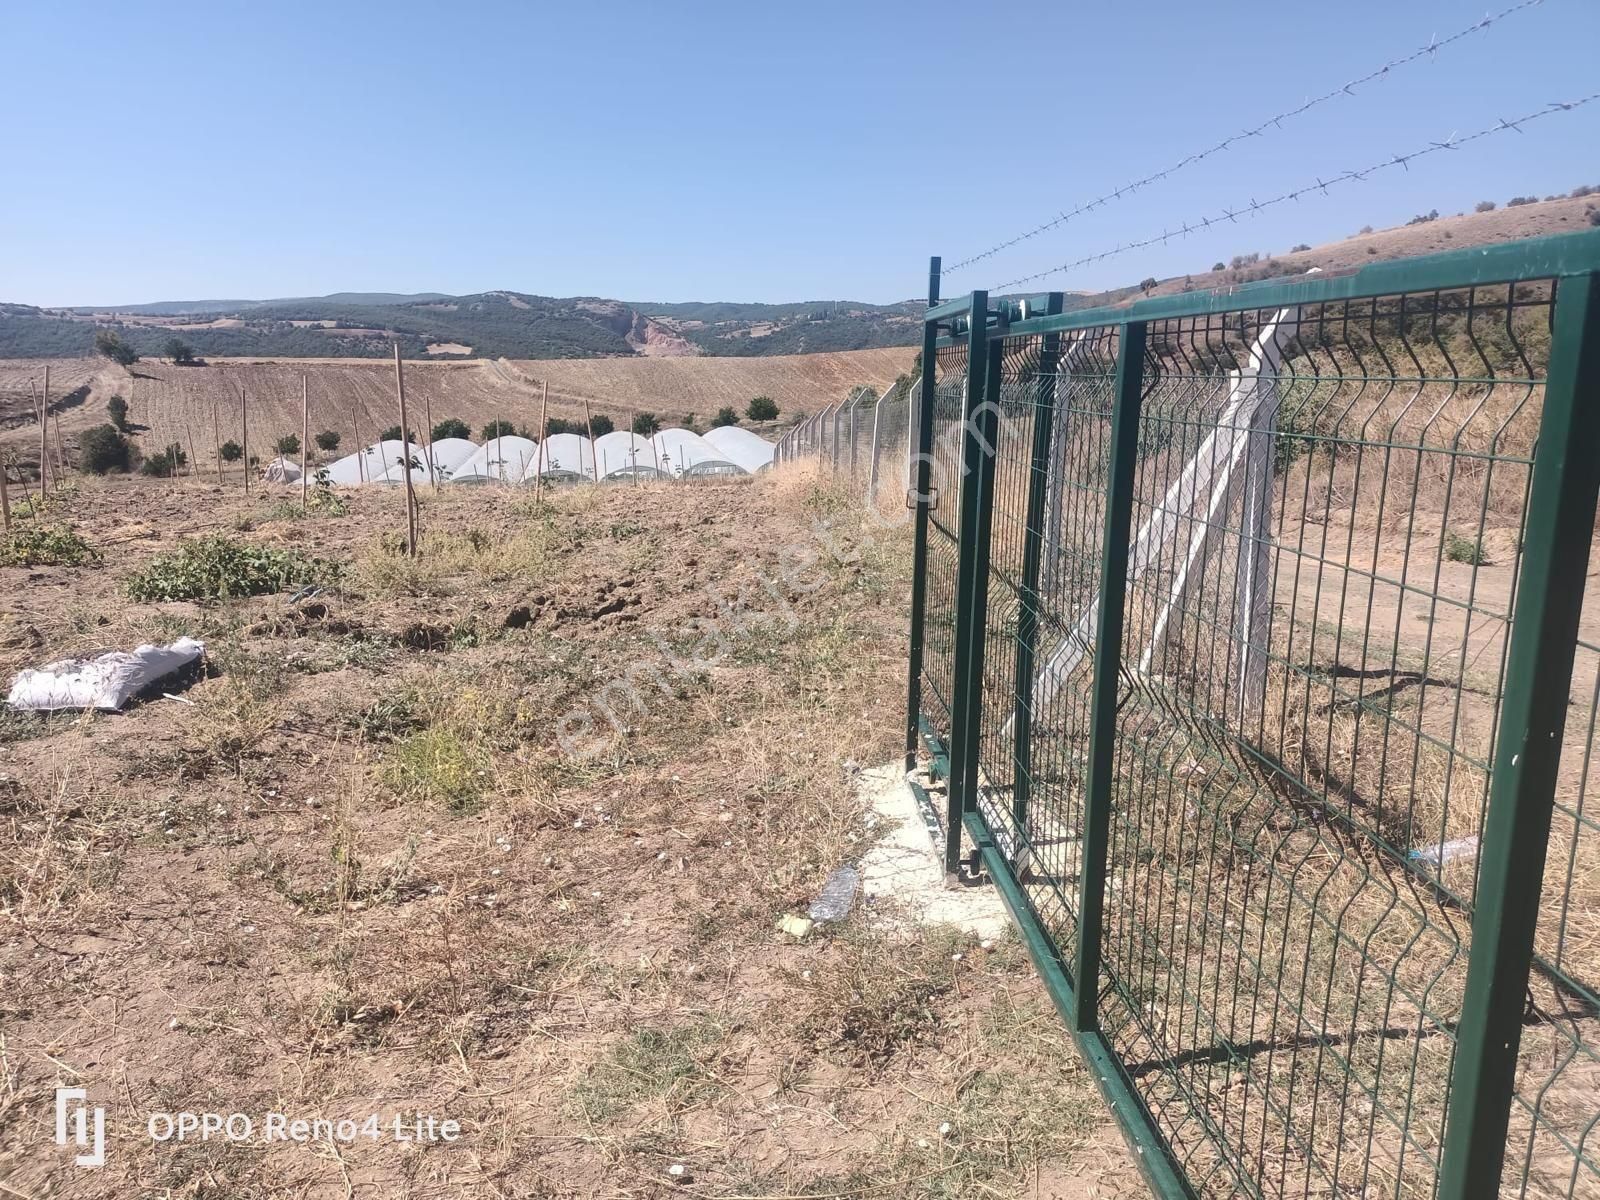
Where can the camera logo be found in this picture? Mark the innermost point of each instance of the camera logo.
(72, 1108)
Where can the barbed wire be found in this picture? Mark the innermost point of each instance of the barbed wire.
(1321, 185)
(1345, 89)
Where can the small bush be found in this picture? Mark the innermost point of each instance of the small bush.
(1483, 206)
(493, 429)
(646, 423)
(117, 410)
(1594, 216)
(1519, 201)
(102, 450)
(36, 547)
(1299, 247)
(1424, 218)
(1464, 550)
(451, 427)
(327, 441)
(110, 345)
(219, 567)
(167, 463)
(1219, 266)
(178, 352)
(1366, 229)
(1148, 284)
(1578, 193)
(1240, 261)
(438, 766)
(289, 443)
(600, 425)
(762, 408)
(557, 425)
(725, 416)
(232, 451)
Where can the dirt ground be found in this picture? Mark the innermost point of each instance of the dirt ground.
(353, 872)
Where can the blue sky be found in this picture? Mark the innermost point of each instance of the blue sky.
(730, 151)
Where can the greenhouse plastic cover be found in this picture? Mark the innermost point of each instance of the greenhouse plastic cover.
(446, 454)
(368, 465)
(563, 452)
(501, 459)
(620, 450)
(107, 682)
(741, 447)
(682, 451)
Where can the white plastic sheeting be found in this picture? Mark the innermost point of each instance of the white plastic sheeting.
(108, 681)
(741, 447)
(563, 454)
(684, 453)
(447, 454)
(621, 451)
(499, 460)
(281, 470)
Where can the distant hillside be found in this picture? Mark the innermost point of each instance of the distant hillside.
(487, 325)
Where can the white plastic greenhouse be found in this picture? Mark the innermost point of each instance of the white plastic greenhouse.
(683, 453)
(565, 457)
(499, 460)
(741, 447)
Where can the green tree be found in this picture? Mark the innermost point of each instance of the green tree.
(451, 427)
(117, 408)
(392, 434)
(167, 462)
(102, 450)
(289, 443)
(725, 416)
(496, 429)
(109, 343)
(178, 352)
(602, 425)
(1148, 284)
(327, 441)
(232, 451)
(764, 408)
(557, 425)
(646, 423)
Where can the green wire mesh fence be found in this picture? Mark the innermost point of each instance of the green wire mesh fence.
(1249, 649)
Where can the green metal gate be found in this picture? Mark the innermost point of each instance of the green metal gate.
(1248, 647)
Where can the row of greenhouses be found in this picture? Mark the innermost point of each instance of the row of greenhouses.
(560, 458)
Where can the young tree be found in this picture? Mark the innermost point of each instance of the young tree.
(725, 416)
(496, 429)
(109, 343)
(764, 408)
(327, 441)
(646, 423)
(178, 352)
(102, 450)
(451, 427)
(232, 451)
(167, 462)
(289, 443)
(602, 425)
(557, 425)
(117, 408)
(392, 434)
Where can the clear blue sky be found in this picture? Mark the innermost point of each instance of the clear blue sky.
(728, 151)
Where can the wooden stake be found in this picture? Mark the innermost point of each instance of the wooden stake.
(46, 411)
(61, 448)
(305, 436)
(361, 450)
(216, 436)
(194, 463)
(44, 443)
(544, 436)
(427, 415)
(5, 497)
(244, 434)
(405, 458)
(594, 459)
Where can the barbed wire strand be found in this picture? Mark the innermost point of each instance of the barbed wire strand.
(1346, 89)
(1321, 185)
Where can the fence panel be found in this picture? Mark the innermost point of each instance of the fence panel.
(1246, 835)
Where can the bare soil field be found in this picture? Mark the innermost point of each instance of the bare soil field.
(351, 871)
(169, 403)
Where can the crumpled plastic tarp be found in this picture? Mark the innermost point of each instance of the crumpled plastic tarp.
(107, 681)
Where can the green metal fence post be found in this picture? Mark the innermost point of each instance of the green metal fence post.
(1044, 410)
(965, 720)
(1555, 560)
(920, 500)
(1127, 399)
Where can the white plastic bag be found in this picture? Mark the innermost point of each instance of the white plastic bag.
(106, 682)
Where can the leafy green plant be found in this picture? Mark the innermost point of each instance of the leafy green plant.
(117, 410)
(1464, 550)
(111, 345)
(646, 423)
(451, 427)
(166, 463)
(327, 441)
(496, 429)
(726, 415)
(762, 408)
(289, 443)
(37, 547)
(219, 567)
(232, 451)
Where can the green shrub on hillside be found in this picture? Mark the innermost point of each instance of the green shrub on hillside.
(102, 450)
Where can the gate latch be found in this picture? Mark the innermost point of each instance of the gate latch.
(933, 498)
